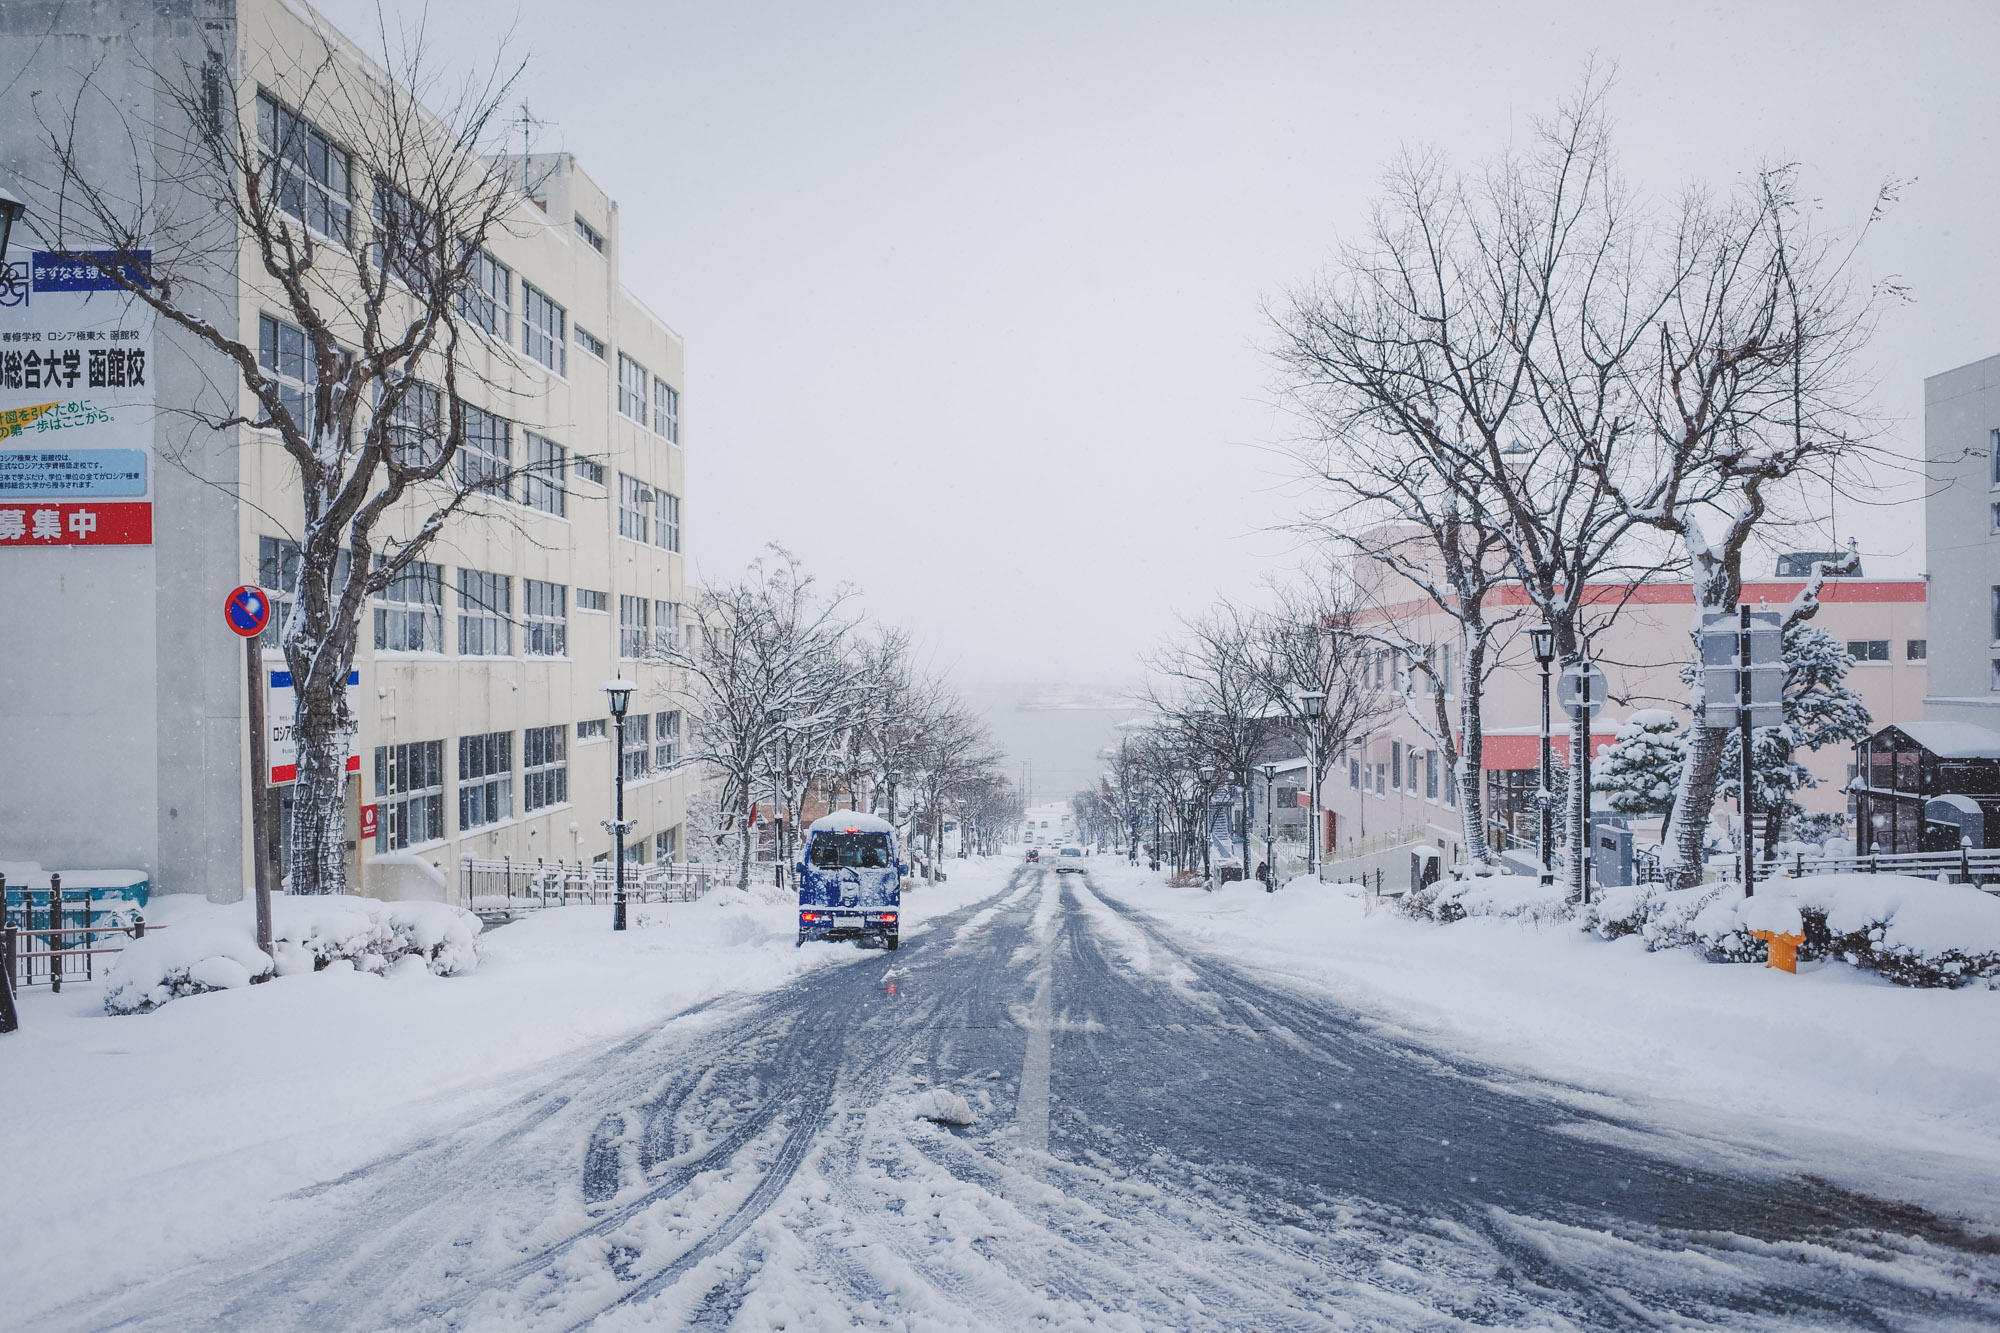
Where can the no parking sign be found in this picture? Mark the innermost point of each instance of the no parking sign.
(247, 611)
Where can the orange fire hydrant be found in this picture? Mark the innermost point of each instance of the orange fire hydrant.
(1784, 949)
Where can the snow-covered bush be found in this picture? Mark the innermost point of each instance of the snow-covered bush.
(217, 950)
(1519, 897)
(1911, 931)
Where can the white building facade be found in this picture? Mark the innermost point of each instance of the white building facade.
(483, 727)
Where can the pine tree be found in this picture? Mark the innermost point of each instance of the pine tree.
(1820, 710)
(1638, 771)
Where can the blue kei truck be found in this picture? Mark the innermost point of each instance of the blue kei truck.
(850, 882)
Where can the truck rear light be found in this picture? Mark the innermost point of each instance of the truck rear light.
(808, 916)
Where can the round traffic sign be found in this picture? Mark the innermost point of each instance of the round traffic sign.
(247, 611)
(1569, 687)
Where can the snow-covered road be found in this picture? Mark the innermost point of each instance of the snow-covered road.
(1157, 1139)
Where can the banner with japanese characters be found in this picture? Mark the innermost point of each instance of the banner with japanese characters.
(76, 403)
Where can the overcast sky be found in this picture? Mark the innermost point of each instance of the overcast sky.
(971, 292)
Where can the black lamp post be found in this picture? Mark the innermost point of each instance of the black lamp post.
(1544, 639)
(1270, 772)
(620, 694)
(1312, 706)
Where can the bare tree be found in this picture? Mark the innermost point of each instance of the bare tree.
(767, 649)
(1212, 691)
(379, 294)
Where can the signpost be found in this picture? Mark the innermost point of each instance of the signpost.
(1743, 686)
(1582, 690)
(247, 610)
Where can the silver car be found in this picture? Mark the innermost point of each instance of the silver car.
(1070, 858)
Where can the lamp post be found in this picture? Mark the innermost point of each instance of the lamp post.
(1270, 772)
(1312, 706)
(620, 693)
(1544, 639)
(11, 211)
(1206, 816)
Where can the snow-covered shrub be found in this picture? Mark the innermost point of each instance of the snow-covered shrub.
(1911, 931)
(217, 950)
(1517, 897)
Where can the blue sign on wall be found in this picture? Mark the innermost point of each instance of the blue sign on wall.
(59, 273)
(71, 472)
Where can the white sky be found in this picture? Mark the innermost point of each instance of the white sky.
(971, 292)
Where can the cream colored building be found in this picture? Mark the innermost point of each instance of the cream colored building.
(483, 725)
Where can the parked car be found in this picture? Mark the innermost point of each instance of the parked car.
(1070, 858)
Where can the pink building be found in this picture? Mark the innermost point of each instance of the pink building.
(1392, 785)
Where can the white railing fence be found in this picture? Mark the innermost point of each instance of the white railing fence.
(515, 886)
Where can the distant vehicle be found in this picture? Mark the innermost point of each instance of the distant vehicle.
(850, 882)
(1034, 853)
(1071, 858)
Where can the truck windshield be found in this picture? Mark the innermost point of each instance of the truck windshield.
(859, 851)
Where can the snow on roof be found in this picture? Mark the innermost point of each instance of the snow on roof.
(848, 821)
(1954, 740)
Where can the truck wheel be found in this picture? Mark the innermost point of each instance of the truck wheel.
(802, 941)
(893, 941)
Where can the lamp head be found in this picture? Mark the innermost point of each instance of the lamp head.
(11, 210)
(1312, 703)
(1544, 639)
(620, 694)
(1270, 771)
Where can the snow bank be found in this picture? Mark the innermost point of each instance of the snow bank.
(944, 1106)
(1522, 896)
(216, 949)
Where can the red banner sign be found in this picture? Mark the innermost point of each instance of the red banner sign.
(368, 820)
(83, 523)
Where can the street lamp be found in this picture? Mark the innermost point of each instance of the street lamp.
(1544, 639)
(1270, 772)
(1312, 706)
(11, 210)
(620, 693)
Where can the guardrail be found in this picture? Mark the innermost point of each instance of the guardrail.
(69, 925)
(506, 886)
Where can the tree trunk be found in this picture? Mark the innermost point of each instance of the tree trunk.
(321, 731)
(1693, 799)
(1470, 754)
(748, 831)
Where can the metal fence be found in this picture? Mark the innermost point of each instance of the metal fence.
(1977, 866)
(55, 934)
(509, 886)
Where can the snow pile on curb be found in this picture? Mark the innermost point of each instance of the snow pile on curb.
(215, 947)
(1521, 897)
(1911, 931)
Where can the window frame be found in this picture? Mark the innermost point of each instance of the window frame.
(480, 619)
(293, 150)
(666, 753)
(667, 520)
(398, 788)
(632, 395)
(485, 460)
(544, 767)
(295, 372)
(591, 730)
(600, 603)
(537, 310)
(544, 633)
(588, 341)
(635, 508)
(396, 610)
(491, 312)
(485, 779)
(635, 632)
(666, 411)
(592, 237)
(544, 463)
(636, 758)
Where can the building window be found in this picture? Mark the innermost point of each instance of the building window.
(1993, 456)
(588, 341)
(1396, 765)
(277, 574)
(1381, 779)
(404, 244)
(485, 779)
(544, 329)
(591, 729)
(667, 740)
(1996, 675)
(588, 599)
(667, 410)
(485, 456)
(1871, 650)
(667, 521)
(409, 615)
(542, 477)
(308, 175)
(588, 469)
(638, 755)
(1995, 518)
(486, 301)
(485, 601)
(1431, 774)
(666, 625)
(545, 618)
(1916, 650)
(1354, 774)
(635, 504)
(667, 845)
(635, 637)
(631, 388)
(544, 767)
(592, 237)
(409, 785)
(416, 424)
(284, 355)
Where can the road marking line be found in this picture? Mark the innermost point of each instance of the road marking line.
(1031, 1106)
